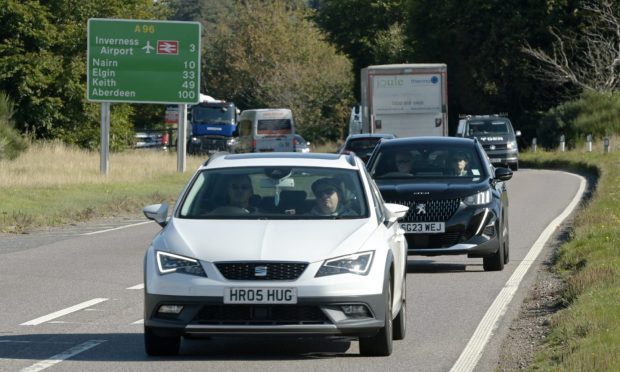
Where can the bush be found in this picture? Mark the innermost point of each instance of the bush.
(11, 142)
(597, 114)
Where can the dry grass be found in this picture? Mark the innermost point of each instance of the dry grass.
(55, 164)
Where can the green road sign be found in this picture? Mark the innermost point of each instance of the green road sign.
(143, 61)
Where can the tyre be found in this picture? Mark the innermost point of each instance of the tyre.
(495, 261)
(400, 322)
(514, 166)
(506, 244)
(157, 345)
(381, 343)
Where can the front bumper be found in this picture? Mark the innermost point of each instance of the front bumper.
(205, 316)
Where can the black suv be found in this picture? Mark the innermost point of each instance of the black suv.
(497, 136)
(458, 200)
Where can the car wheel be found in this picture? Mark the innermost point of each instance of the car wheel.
(495, 261)
(514, 166)
(506, 246)
(381, 343)
(157, 345)
(400, 322)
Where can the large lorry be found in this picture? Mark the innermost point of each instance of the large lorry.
(212, 124)
(405, 99)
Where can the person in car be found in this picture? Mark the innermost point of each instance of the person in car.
(459, 165)
(404, 162)
(329, 199)
(240, 192)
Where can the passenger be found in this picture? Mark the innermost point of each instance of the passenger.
(404, 162)
(329, 199)
(459, 165)
(240, 192)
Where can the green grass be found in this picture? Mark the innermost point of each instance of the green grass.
(585, 335)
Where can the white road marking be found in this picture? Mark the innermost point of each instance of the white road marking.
(137, 286)
(63, 312)
(63, 356)
(141, 321)
(117, 228)
(473, 351)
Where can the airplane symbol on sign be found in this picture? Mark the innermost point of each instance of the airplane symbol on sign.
(148, 47)
(167, 47)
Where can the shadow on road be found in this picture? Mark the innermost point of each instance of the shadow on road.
(430, 266)
(130, 347)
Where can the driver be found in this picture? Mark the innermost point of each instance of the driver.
(329, 199)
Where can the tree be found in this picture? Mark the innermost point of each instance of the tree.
(43, 66)
(11, 142)
(589, 58)
(267, 54)
(369, 32)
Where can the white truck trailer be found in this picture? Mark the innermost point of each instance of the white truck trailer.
(405, 99)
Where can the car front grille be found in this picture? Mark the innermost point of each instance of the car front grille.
(261, 270)
(260, 315)
(498, 146)
(429, 210)
(431, 241)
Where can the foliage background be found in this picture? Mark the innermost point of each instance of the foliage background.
(306, 55)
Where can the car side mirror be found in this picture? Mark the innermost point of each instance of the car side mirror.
(157, 213)
(503, 174)
(395, 212)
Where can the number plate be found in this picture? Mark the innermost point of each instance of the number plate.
(260, 296)
(495, 160)
(423, 227)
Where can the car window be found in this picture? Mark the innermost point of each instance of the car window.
(275, 193)
(427, 161)
(274, 126)
(479, 127)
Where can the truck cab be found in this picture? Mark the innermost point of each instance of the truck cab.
(212, 125)
(496, 135)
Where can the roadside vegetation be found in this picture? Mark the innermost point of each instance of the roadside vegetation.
(585, 333)
(53, 184)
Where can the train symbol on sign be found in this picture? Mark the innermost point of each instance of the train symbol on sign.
(167, 47)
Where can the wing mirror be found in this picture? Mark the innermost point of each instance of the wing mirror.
(157, 213)
(503, 174)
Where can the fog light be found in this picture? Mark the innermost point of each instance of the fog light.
(355, 311)
(170, 309)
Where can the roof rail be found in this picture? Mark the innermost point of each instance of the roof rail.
(351, 158)
(215, 156)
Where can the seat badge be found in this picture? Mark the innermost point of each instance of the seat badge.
(260, 271)
(420, 208)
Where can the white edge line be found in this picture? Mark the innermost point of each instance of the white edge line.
(470, 356)
(137, 286)
(141, 321)
(63, 312)
(62, 356)
(117, 228)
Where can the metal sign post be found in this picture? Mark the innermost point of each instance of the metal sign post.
(104, 164)
(181, 138)
(142, 61)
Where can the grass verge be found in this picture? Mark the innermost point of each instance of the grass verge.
(52, 184)
(585, 334)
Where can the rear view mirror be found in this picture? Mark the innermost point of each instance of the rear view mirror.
(270, 183)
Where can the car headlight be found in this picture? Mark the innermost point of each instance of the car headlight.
(481, 198)
(511, 145)
(231, 141)
(168, 263)
(358, 263)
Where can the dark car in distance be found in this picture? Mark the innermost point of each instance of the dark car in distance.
(363, 144)
(458, 200)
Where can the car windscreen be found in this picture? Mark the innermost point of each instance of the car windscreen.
(362, 145)
(206, 114)
(428, 161)
(482, 127)
(275, 193)
(274, 127)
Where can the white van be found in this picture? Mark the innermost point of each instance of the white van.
(266, 130)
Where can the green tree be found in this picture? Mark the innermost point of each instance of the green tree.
(11, 142)
(369, 32)
(43, 66)
(268, 54)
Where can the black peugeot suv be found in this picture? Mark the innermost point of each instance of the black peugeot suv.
(458, 200)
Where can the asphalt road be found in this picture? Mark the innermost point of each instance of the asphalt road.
(71, 300)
